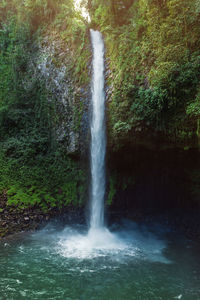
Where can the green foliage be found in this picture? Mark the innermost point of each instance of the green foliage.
(38, 13)
(76, 36)
(193, 109)
(73, 30)
(153, 54)
(50, 181)
(25, 114)
(34, 169)
(77, 114)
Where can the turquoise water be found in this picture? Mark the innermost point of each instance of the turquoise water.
(132, 262)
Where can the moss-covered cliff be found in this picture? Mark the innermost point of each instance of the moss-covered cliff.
(44, 103)
(153, 100)
(153, 62)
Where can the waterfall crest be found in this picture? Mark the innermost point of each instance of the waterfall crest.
(98, 135)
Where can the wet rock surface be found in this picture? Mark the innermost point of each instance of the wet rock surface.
(14, 220)
(51, 64)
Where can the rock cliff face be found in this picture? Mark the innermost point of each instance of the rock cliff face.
(71, 100)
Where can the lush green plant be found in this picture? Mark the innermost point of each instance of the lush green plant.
(53, 180)
(153, 55)
(34, 169)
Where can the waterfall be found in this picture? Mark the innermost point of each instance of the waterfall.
(98, 240)
(98, 237)
(98, 136)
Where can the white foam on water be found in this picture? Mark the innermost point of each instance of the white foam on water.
(96, 243)
(116, 246)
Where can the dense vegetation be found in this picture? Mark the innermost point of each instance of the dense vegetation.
(153, 71)
(34, 167)
(154, 58)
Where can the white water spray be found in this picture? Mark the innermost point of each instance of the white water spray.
(98, 136)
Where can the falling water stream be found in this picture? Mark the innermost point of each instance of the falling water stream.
(127, 261)
(98, 136)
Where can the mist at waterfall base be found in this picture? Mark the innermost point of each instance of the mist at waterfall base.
(61, 262)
